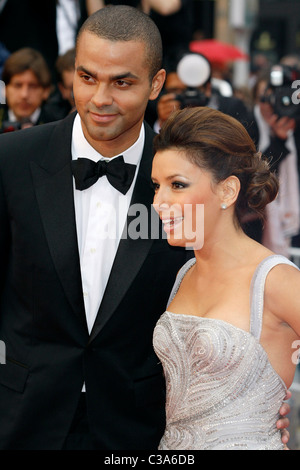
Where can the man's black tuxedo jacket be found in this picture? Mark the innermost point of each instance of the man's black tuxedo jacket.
(49, 353)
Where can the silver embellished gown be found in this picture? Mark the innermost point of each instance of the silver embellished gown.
(222, 392)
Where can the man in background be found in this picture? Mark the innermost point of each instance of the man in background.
(28, 85)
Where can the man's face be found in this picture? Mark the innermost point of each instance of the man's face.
(111, 90)
(24, 94)
(173, 84)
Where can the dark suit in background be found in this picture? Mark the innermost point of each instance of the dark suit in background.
(32, 23)
(48, 114)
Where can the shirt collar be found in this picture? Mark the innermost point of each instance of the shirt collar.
(82, 148)
(33, 117)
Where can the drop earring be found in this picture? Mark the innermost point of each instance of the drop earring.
(224, 206)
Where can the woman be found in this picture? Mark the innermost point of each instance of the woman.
(228, 362)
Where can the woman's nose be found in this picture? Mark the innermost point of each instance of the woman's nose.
(160, 202)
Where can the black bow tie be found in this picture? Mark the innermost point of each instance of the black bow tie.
(119, 174)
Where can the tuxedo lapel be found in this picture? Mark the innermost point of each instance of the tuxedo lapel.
(131, 252)
(54, 191)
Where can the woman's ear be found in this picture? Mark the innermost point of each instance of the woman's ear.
(229, 191)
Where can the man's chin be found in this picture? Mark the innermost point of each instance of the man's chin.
(23, 116)
(100, 132)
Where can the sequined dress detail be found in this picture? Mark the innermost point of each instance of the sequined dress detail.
(222, 392)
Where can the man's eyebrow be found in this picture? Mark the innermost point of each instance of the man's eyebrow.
(81, 68)
(120, 76)
(124, 75)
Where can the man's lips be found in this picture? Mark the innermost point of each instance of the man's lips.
(24, 106)
(102, 118)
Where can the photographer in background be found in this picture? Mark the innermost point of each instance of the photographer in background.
(276, 134)
(191, 84)
(27, 85)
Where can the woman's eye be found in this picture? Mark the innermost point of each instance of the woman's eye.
(178, 185)
(155, 186)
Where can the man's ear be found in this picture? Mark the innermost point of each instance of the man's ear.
(157, 84)
(229, 190)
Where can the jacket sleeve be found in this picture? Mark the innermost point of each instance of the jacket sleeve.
(4, 237)
(276, 151)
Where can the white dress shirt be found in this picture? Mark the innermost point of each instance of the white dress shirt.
(101, 213)
(33, 117)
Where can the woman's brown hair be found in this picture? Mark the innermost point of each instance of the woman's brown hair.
(221, 145)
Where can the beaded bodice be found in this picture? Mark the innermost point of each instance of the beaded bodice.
(222, 392)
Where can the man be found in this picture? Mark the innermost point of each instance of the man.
(276, 133)
(28, 85)
(78, 309)
(62, 100)
(57, 269)
(210, 96)
(45, 26)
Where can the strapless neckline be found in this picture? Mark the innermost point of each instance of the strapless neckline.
(234, 327)
(221, 389)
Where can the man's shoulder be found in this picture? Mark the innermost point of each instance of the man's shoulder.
(32, 142)
(3, 114)
(150, 133)
(149, 137)
(19, 139)
(231, 104)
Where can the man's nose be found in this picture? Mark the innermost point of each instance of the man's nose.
(24, 91)
(102, 96)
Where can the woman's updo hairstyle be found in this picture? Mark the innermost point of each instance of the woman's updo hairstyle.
(221, 145)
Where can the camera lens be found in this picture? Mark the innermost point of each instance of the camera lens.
(286, 101)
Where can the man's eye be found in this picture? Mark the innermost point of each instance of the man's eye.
(87, 78)
(122, 83)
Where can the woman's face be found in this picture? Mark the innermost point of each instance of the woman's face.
(186, 199)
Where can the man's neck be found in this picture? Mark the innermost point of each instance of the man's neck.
(116, 146)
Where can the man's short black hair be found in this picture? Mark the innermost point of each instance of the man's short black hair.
(125, 23)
